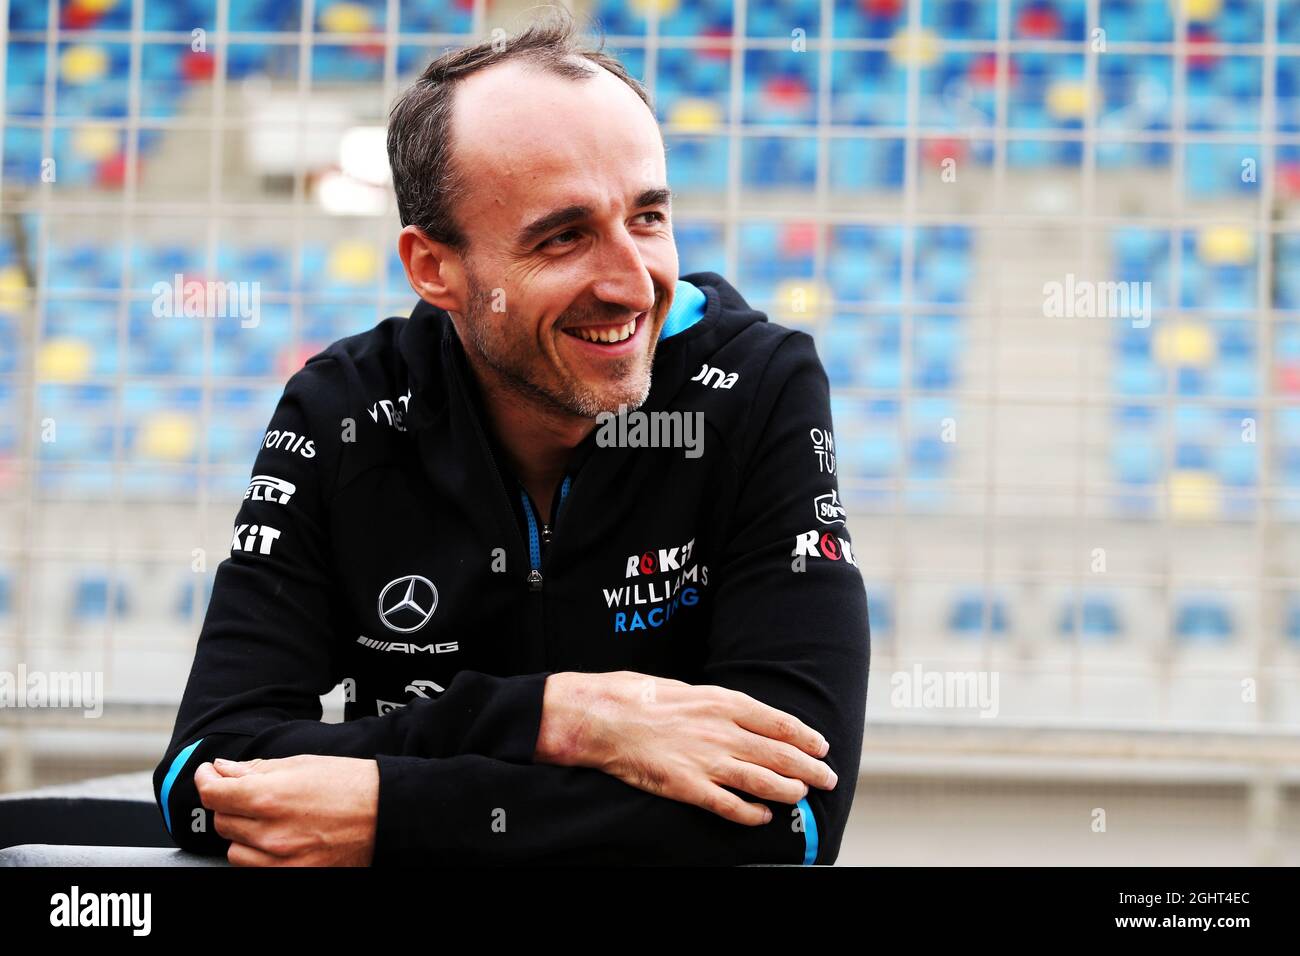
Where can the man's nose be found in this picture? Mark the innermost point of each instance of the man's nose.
(622, 278)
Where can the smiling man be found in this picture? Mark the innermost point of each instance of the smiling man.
(553, 649)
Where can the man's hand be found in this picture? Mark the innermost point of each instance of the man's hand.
(298, 811)
(681, 741)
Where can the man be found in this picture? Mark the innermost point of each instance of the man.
(558, 642)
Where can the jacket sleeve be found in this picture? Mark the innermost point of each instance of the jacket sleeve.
(265, 653)
(789, 628)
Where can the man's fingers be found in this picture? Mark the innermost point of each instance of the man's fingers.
(729, 806)
(223, 794)
(245, 830)
(787, 761)
(241, 855)
(760, 782)
(778, 725)
(236, 768)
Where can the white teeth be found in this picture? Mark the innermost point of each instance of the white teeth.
(606, 336)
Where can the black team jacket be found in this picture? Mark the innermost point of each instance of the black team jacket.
(383, 544)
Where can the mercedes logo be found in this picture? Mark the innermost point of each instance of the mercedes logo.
(407, 603)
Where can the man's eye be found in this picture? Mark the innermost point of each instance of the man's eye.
(552, 241)
(659, 217)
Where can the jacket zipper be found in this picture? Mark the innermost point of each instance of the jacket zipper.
(536, 539)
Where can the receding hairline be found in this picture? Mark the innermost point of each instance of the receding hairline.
(537, 67)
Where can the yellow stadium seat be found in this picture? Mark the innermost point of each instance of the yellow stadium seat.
(802, 301)
(63, 360)
(1185, 345)
(1193, 495)
(346, 18)
(83, 64)
(169, 436)
(666, 8)
(1068, 99)
(1197, 10)
(1225, 245)
(919, 47)
(13, 288)
(696, 115)
(354, 262)
(95, 142)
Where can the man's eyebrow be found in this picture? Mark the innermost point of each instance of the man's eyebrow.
(539, 228)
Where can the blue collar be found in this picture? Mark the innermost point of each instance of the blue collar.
(687, 309)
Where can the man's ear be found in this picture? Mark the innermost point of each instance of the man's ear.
(433, 269)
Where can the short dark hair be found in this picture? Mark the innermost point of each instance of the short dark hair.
(426, 178)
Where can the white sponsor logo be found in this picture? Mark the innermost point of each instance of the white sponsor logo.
(260, 537)
(291, 442)
(75, 908)
(418, 688)
(824, 449)
(715, 377)
(407, 603)
(394, 412)
(408, 647)
(270, 488)
(828, 508)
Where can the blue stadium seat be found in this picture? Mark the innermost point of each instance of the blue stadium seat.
(972, 615)
(1203, 620)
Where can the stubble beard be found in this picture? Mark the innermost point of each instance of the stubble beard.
(514, 362)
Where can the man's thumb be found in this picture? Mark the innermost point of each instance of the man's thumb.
(235, 768)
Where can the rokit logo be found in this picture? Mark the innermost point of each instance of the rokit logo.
(824, 449)
(828, 508)
(715, 377)
(290, 442)
(665, 559)
(823, 544)
(394, 412)
(259, 538)
(270, 488)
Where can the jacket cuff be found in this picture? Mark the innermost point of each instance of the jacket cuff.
(397, 830)
(516, 704)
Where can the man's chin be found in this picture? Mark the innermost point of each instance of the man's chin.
(591, 405)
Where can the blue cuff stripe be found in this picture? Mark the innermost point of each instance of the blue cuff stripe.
(809, 833)
(687, 309)
(173, 772)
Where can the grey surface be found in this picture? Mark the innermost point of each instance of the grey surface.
(123, 786)
(45, 854)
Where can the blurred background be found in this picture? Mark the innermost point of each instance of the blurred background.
(1091, 517)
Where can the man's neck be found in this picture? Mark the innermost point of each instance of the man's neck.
(538, 442)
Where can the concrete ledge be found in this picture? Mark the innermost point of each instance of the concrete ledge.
(45, 854)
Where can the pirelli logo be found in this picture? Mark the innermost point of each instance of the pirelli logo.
(408, 647)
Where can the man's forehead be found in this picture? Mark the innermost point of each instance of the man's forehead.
(531, 147)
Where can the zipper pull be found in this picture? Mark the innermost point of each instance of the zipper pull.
(534, 580)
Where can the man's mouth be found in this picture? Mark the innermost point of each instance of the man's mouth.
(605, 334)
